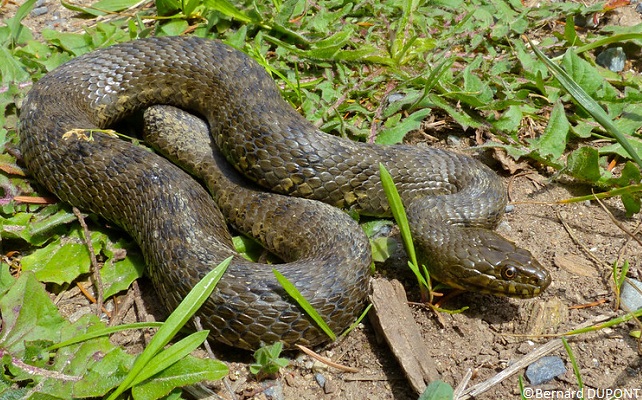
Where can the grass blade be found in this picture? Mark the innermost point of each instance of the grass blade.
(170, 355)
(399, 213)
(304, 303)
(104, 332)
(587, 102)
(576, 368)
(192, 302)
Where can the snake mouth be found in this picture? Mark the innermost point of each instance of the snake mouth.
(525, 287)
(522, 282)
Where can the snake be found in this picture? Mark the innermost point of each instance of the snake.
(297, 184)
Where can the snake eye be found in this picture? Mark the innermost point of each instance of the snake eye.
(509, 272)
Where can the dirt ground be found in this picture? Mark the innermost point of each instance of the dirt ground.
(488, 336)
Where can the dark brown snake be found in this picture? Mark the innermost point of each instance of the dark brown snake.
(452, 200)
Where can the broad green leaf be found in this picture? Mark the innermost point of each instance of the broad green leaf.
(187, 371)
(118, 276)
(6, 279)
(437, 390)
(630, 175)
(583, 164)
(114, 5)
(616, 148)
(477, 92)
(510, 120)
(631, 204)
(11, 69)
(27, 314)
(395, 134)
(173, 28)
(227, 8)
(584, 129)
(374, 226)
(71, 42)
(100, 364)
(382, 248)
(62, 261)
(462, 118)
(49, 221)
(553, 140)
(167, 7)
(629, 120)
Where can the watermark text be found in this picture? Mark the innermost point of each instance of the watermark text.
(585, 393)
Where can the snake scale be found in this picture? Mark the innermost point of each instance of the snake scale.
(452, 200)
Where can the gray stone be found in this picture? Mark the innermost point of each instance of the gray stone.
(545, 369)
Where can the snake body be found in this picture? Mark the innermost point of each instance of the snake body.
(452, 201)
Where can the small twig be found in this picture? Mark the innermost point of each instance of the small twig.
(118, 317)
(579, 243)
(91, 298)
(94, 262)
(141, 313)
(511, 181)
(437, 306)
(459, 390)
(587, 305)
(36, 371)
(35, 199)
(618, 223)
(372, 378)
(206, 344)
(379, 111)
(326, 360)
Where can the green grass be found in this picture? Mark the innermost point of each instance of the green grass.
(370, 71)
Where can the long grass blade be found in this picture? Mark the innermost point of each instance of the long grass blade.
(192, 302)
(587, 102)
(304, 303)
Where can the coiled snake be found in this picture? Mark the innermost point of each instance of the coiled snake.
(452, 200)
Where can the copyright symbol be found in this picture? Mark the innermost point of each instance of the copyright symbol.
(528, 392)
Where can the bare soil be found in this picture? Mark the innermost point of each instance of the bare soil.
(489, 335)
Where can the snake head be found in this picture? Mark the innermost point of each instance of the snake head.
(490, 264)
(517, 274)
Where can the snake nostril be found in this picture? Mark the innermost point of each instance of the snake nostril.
(544, 280)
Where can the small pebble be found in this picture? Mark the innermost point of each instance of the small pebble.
(39, 11)
(630, 298)
(526, 347)
(320, 379)
(612, 58)
(545, 369)
(274, 390)
(330, 387)
(80, 312)
(453, 141)
(392, 97)
(587, 21)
